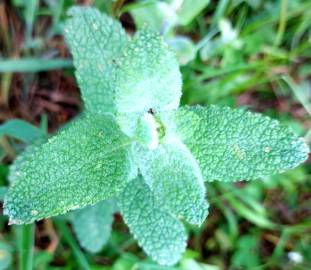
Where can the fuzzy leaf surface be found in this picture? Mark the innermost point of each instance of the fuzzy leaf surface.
(232, 144)
(160, 234)
(85, 163)
(148, 77)
(92, 224)
(23, 157)
(96, 40)
(175, 178)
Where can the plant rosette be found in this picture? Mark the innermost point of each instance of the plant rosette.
(135, 145)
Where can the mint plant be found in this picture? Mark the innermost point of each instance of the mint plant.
(134, 145)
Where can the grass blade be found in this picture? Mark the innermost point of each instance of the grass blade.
(33, 64)
(282, 23)
(67, 236)
(21, 130)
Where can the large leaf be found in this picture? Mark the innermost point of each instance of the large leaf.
(161, 235)
(23, 157)
(231, 144)
(175, 178)
(148, 78)
(96, 41)
(92, 224)
(85, 163)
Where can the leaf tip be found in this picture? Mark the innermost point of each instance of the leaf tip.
(14, 221)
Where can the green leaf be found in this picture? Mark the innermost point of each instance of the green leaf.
(85, 163)
(231, 144)
(161, 235)
(184, 48)
(190, 9)
(175, 179)
(21, 130)
(96, 41)
(92, 224)
(23, 157)
(148, 78)
(157, 15)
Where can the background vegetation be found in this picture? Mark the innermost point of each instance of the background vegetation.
(248, 53)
